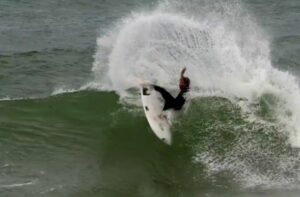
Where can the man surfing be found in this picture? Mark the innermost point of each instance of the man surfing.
(159, 121)
(170, 101)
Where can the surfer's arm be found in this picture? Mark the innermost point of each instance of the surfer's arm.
(184, 82)
(182, 72)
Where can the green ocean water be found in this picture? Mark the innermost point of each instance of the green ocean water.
(49, 147)
(70, 127)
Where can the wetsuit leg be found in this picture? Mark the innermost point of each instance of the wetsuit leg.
(169, 99)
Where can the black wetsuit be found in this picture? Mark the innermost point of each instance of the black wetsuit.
(170, 101)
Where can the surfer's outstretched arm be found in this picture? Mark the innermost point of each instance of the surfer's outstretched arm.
(182, 72)
(184, 82)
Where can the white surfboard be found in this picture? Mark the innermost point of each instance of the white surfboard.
(158, 119)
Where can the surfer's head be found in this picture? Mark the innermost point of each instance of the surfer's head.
(184, 84)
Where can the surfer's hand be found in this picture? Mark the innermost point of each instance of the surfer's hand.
(183, 71)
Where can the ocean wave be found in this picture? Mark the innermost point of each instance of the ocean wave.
(226, 54)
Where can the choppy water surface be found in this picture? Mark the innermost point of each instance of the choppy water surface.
(70, 116)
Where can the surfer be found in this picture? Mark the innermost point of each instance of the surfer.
(170, 101)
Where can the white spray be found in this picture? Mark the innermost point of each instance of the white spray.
(225, 52)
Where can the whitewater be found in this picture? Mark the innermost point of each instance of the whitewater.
(226, 54)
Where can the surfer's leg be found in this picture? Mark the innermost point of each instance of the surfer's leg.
(169, 99)
(165, 94)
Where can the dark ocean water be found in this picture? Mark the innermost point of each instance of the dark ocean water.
(70, 127)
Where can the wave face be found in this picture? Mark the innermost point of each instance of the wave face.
(80, 143)
(227, 55)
